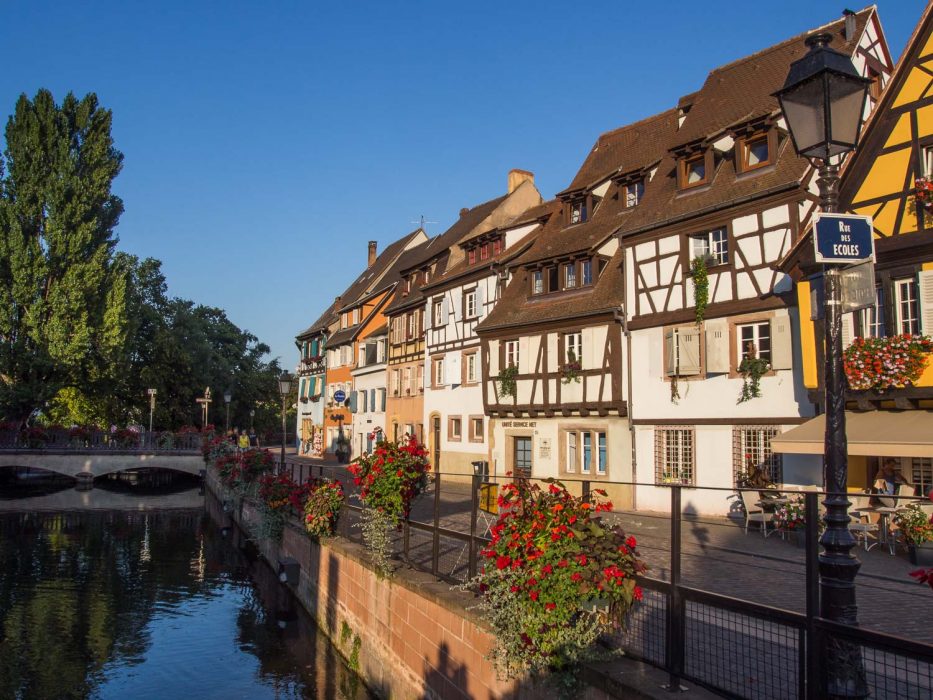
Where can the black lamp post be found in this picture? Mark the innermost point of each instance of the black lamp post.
(823, 101)
(228, 397)
(285, 388)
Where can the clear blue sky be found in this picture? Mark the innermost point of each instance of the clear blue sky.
(266, 142)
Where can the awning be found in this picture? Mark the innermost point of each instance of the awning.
(870, 434)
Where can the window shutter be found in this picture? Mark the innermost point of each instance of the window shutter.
(848, 330)
(452, 369)
(445, 311)
(301, 388)
(689, 342)
(925, 290)
(479, 298)
(353, 401)
(383, 393)
(372, 399)
(717, 346)
(670, 354)
(782, 354)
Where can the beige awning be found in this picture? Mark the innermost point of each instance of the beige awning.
(870, 434)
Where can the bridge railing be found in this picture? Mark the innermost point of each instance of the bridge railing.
(84, 439)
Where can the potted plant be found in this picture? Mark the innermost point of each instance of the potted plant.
(752, 369)
(791, 517)
(325, 499)
(506, 379)
(570, 372)
(917, 530)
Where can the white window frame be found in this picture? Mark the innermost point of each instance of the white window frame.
(570, 275)
(578, 211)
(586, 446)
(713, 244)
(573, 342)
(573, 455)
(437, 312)
(756, 337)
(511, 353)
(586, 272)
(927, 163)
(471, 376)
(537, 282)
(469, 303)
(439, 372)
(753, 442)
(602, 456)
(675, 455)
(634, 191)
(909, 322)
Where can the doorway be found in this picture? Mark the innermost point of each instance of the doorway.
(522, 457)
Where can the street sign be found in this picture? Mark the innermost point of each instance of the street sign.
(340, 396)
(841, 239)
(151, 392)
(858, 287)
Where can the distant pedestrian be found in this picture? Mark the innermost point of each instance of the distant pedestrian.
(231, 436)
(243, 440)
(253, 438)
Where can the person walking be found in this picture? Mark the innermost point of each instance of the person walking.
(253, 438)
(243, 440)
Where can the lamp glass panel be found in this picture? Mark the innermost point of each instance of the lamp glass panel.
(803, 110)
(847, 98)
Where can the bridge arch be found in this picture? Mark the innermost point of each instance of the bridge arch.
(95, 464)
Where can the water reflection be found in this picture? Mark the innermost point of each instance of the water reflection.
(148, 603)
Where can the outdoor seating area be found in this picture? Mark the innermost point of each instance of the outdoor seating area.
(900, 522)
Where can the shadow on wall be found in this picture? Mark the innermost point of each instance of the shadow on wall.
(446, 678)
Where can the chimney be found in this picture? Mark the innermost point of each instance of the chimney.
(849, 31)
(372, 253)
(336, 302)
(517, 177)
(464, 212)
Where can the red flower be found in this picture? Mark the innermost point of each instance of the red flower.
(638, 593)
(550, 606)
(533, 595)
(502, 562)
(631, 542)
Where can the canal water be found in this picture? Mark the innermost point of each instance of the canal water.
(130, 590)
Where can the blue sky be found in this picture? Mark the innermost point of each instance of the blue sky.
(266, 142)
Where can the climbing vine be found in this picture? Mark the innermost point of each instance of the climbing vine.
(752, 369)
(506, 381)
(700, 286)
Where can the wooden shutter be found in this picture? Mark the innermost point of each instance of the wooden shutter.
(301, 388)
(848, 330)
(670, 353)
(445, 311)
(925, 294)
(353, 401)
(382, 393)
(452, 369)
(688, 343)
(717, 346)
(480, 288)
(782, 353)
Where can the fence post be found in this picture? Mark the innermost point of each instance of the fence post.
(406, 540)
(474, 506)
(675, 607)
(811, 670)
(436, 544)
(586, 491)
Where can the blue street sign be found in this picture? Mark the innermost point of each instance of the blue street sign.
(842, 239)
(340, 396)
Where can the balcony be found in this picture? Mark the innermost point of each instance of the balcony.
(311, 365)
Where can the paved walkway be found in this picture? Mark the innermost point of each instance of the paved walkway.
(717, 556)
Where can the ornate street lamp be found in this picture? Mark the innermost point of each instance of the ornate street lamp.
(228, 397)
(823, 101)
(285, 388)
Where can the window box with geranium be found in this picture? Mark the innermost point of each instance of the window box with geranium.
(880, 364)
(556, 576)
(280, 497)
(570, 371)
(923, 195)
(390, 478)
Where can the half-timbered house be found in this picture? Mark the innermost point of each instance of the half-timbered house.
(312, 348)
(552, 350)
(884, 179)
(408, 373)
(457, 301)
(709, 319)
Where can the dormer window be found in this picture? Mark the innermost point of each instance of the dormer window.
(633, 192)
(570, 275)
(694, 171)
(537, 282)
(578, 211)
(497, 246)
(756, 151)
(564, 277)
(484, 251)
(471, 256)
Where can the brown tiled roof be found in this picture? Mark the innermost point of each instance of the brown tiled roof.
(438, 247)
(344, 335)
(743, 89)
(623, 150)
(320, 325)
(374, 275)
(731, 94)
(518, 308)
(540, 212)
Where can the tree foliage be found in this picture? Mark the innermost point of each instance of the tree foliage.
(85, 329)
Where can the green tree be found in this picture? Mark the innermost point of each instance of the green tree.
(63, 299)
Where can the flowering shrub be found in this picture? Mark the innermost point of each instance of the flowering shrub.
(125, 437)
(570, 372)
(791, 515)
(80, 434)
(882, 363)
(552, 565)
(34, 436)
(914, 524)
(216, 447)
(389, 479)
(279, 497)
(923, 194)
(325, 499)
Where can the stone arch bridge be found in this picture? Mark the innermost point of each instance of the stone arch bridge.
(91, 464)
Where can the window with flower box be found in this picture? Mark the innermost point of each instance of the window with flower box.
(711, 244)
(751, 451)
(573, 347)
(870, 321)
(674, 455)
(906, 308)
(754, 338)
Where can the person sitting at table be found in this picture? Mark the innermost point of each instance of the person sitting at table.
(888, 478)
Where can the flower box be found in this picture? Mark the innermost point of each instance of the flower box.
(886, 363)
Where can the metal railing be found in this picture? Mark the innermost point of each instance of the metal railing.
(732, 646)
(98, 440)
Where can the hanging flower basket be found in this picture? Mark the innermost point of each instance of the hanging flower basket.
(885, 363)
(923, 194)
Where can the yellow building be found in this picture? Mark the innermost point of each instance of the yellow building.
(882, 180)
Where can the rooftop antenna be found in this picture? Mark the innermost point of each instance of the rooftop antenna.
(423, 222)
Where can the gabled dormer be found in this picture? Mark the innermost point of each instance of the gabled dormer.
(756, 144)
(631, 186)
(579, 206)
(569, 274)
(482, 248)
(696, 163)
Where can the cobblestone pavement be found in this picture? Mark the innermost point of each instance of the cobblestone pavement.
(717, 556)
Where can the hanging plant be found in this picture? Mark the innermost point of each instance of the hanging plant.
(570, 372)
(675, 390)
(506, 379)
(752, 369)
(923, 195)
(700, 285)
(883, 363)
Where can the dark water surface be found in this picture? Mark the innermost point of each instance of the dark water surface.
(111, 594)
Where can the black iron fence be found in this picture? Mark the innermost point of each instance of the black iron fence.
(732, 646)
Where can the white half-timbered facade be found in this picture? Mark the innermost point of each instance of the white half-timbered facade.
(731, 200)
